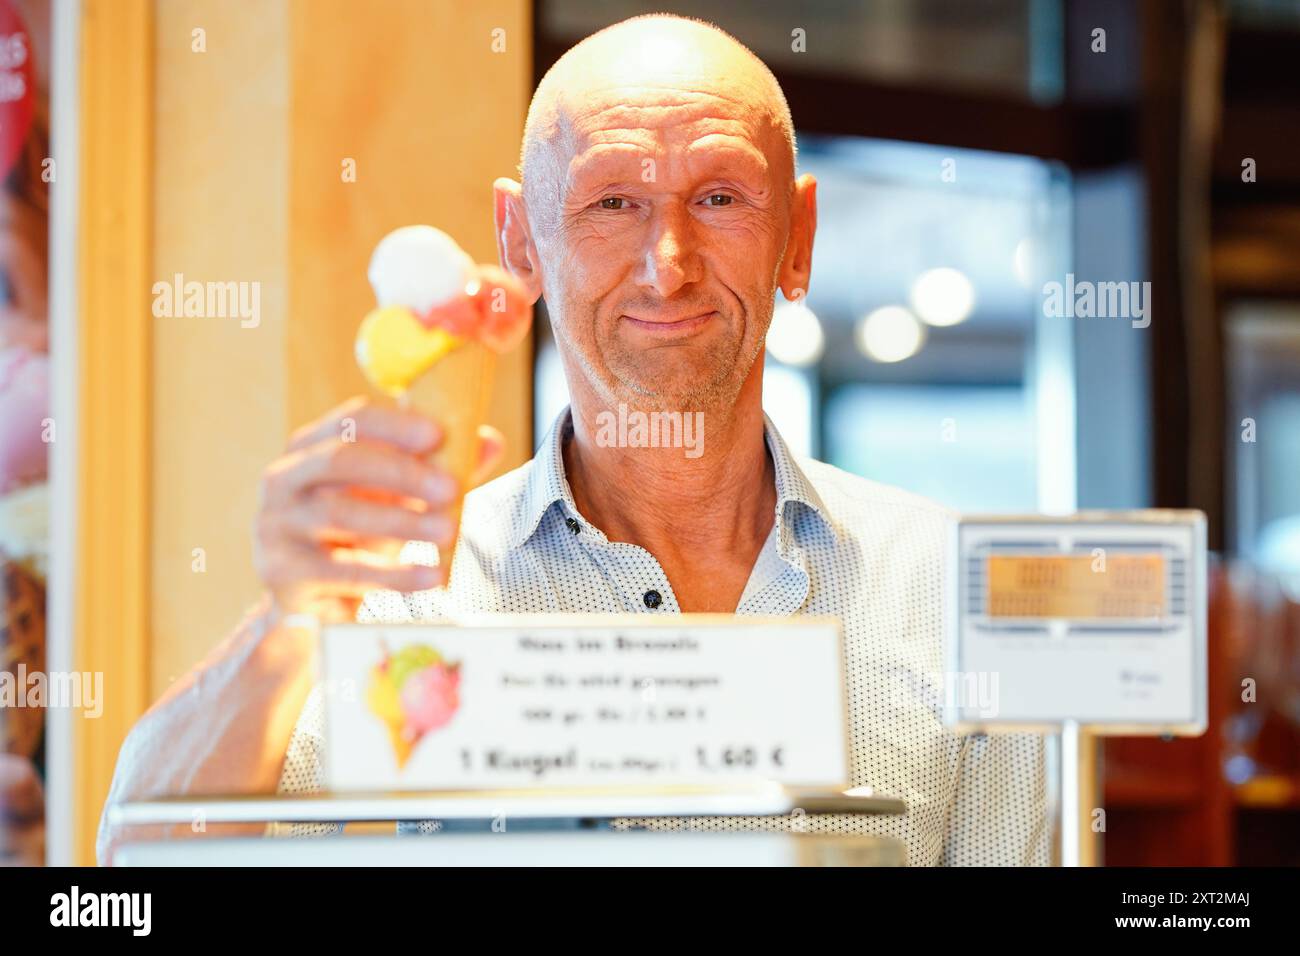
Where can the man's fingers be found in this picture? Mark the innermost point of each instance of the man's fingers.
(361, 419)
(357, 570)
(362, 465)
(302, 573)
(333, 515)
(338, 507)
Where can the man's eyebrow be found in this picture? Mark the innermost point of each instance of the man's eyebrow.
(611, 164)
(747, 171)
(739, 159)
(615, 167)
(588, 176)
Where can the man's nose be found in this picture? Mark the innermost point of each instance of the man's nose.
(671, 257)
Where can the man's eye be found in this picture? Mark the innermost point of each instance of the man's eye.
(612, 202)
(719, 199)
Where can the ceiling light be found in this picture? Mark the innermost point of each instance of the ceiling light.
(942, 296)
(795, 336)
(890, 334)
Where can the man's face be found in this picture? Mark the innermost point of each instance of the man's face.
(660, 252)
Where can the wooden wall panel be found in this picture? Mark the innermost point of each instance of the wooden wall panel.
(220, 214)
(110, 616)
(413, 92)
(251, 135)
(223, 165)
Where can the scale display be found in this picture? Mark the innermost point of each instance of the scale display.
(1077, 587)
(1095, 618)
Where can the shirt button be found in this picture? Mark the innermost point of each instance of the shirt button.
(652, 599)
(573, 525)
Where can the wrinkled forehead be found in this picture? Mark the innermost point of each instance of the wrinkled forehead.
(677, 125)
(676, 102)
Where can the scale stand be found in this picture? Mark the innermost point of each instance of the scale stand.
(1095, 624)
(1076, 789)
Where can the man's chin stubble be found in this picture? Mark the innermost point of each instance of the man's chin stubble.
(710, 393)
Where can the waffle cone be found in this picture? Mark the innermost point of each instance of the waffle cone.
(456, 393)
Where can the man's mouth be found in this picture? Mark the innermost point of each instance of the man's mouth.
(670, 326)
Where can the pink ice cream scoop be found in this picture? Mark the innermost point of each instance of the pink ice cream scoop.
(429, 698)
(494, 309)
(24, 408)
(502, 308)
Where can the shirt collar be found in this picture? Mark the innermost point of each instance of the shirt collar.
(546, 484)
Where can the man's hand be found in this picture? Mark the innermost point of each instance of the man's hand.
(334, 512)
(337, 506)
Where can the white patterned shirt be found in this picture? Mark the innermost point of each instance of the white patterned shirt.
(866, 553)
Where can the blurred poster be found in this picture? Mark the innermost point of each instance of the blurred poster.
(26, 429)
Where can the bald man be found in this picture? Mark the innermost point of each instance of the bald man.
(658, 214)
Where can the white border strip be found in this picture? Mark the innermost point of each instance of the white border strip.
(764, 800)
(65, 78)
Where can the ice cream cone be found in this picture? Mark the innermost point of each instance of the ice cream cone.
(456, 393)
(401, 746)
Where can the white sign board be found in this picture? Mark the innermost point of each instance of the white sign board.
(1098, 618)
(580, 701)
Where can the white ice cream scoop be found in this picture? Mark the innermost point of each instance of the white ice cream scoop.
(419, 267)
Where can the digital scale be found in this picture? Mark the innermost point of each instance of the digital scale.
(1095, 623)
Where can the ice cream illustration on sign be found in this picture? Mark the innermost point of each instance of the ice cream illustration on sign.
(414, 691)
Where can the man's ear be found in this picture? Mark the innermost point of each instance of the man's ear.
(515, 246)
(796, 267)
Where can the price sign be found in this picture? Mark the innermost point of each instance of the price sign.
(559, 701)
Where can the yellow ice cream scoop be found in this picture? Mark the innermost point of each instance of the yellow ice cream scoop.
(394, 349)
